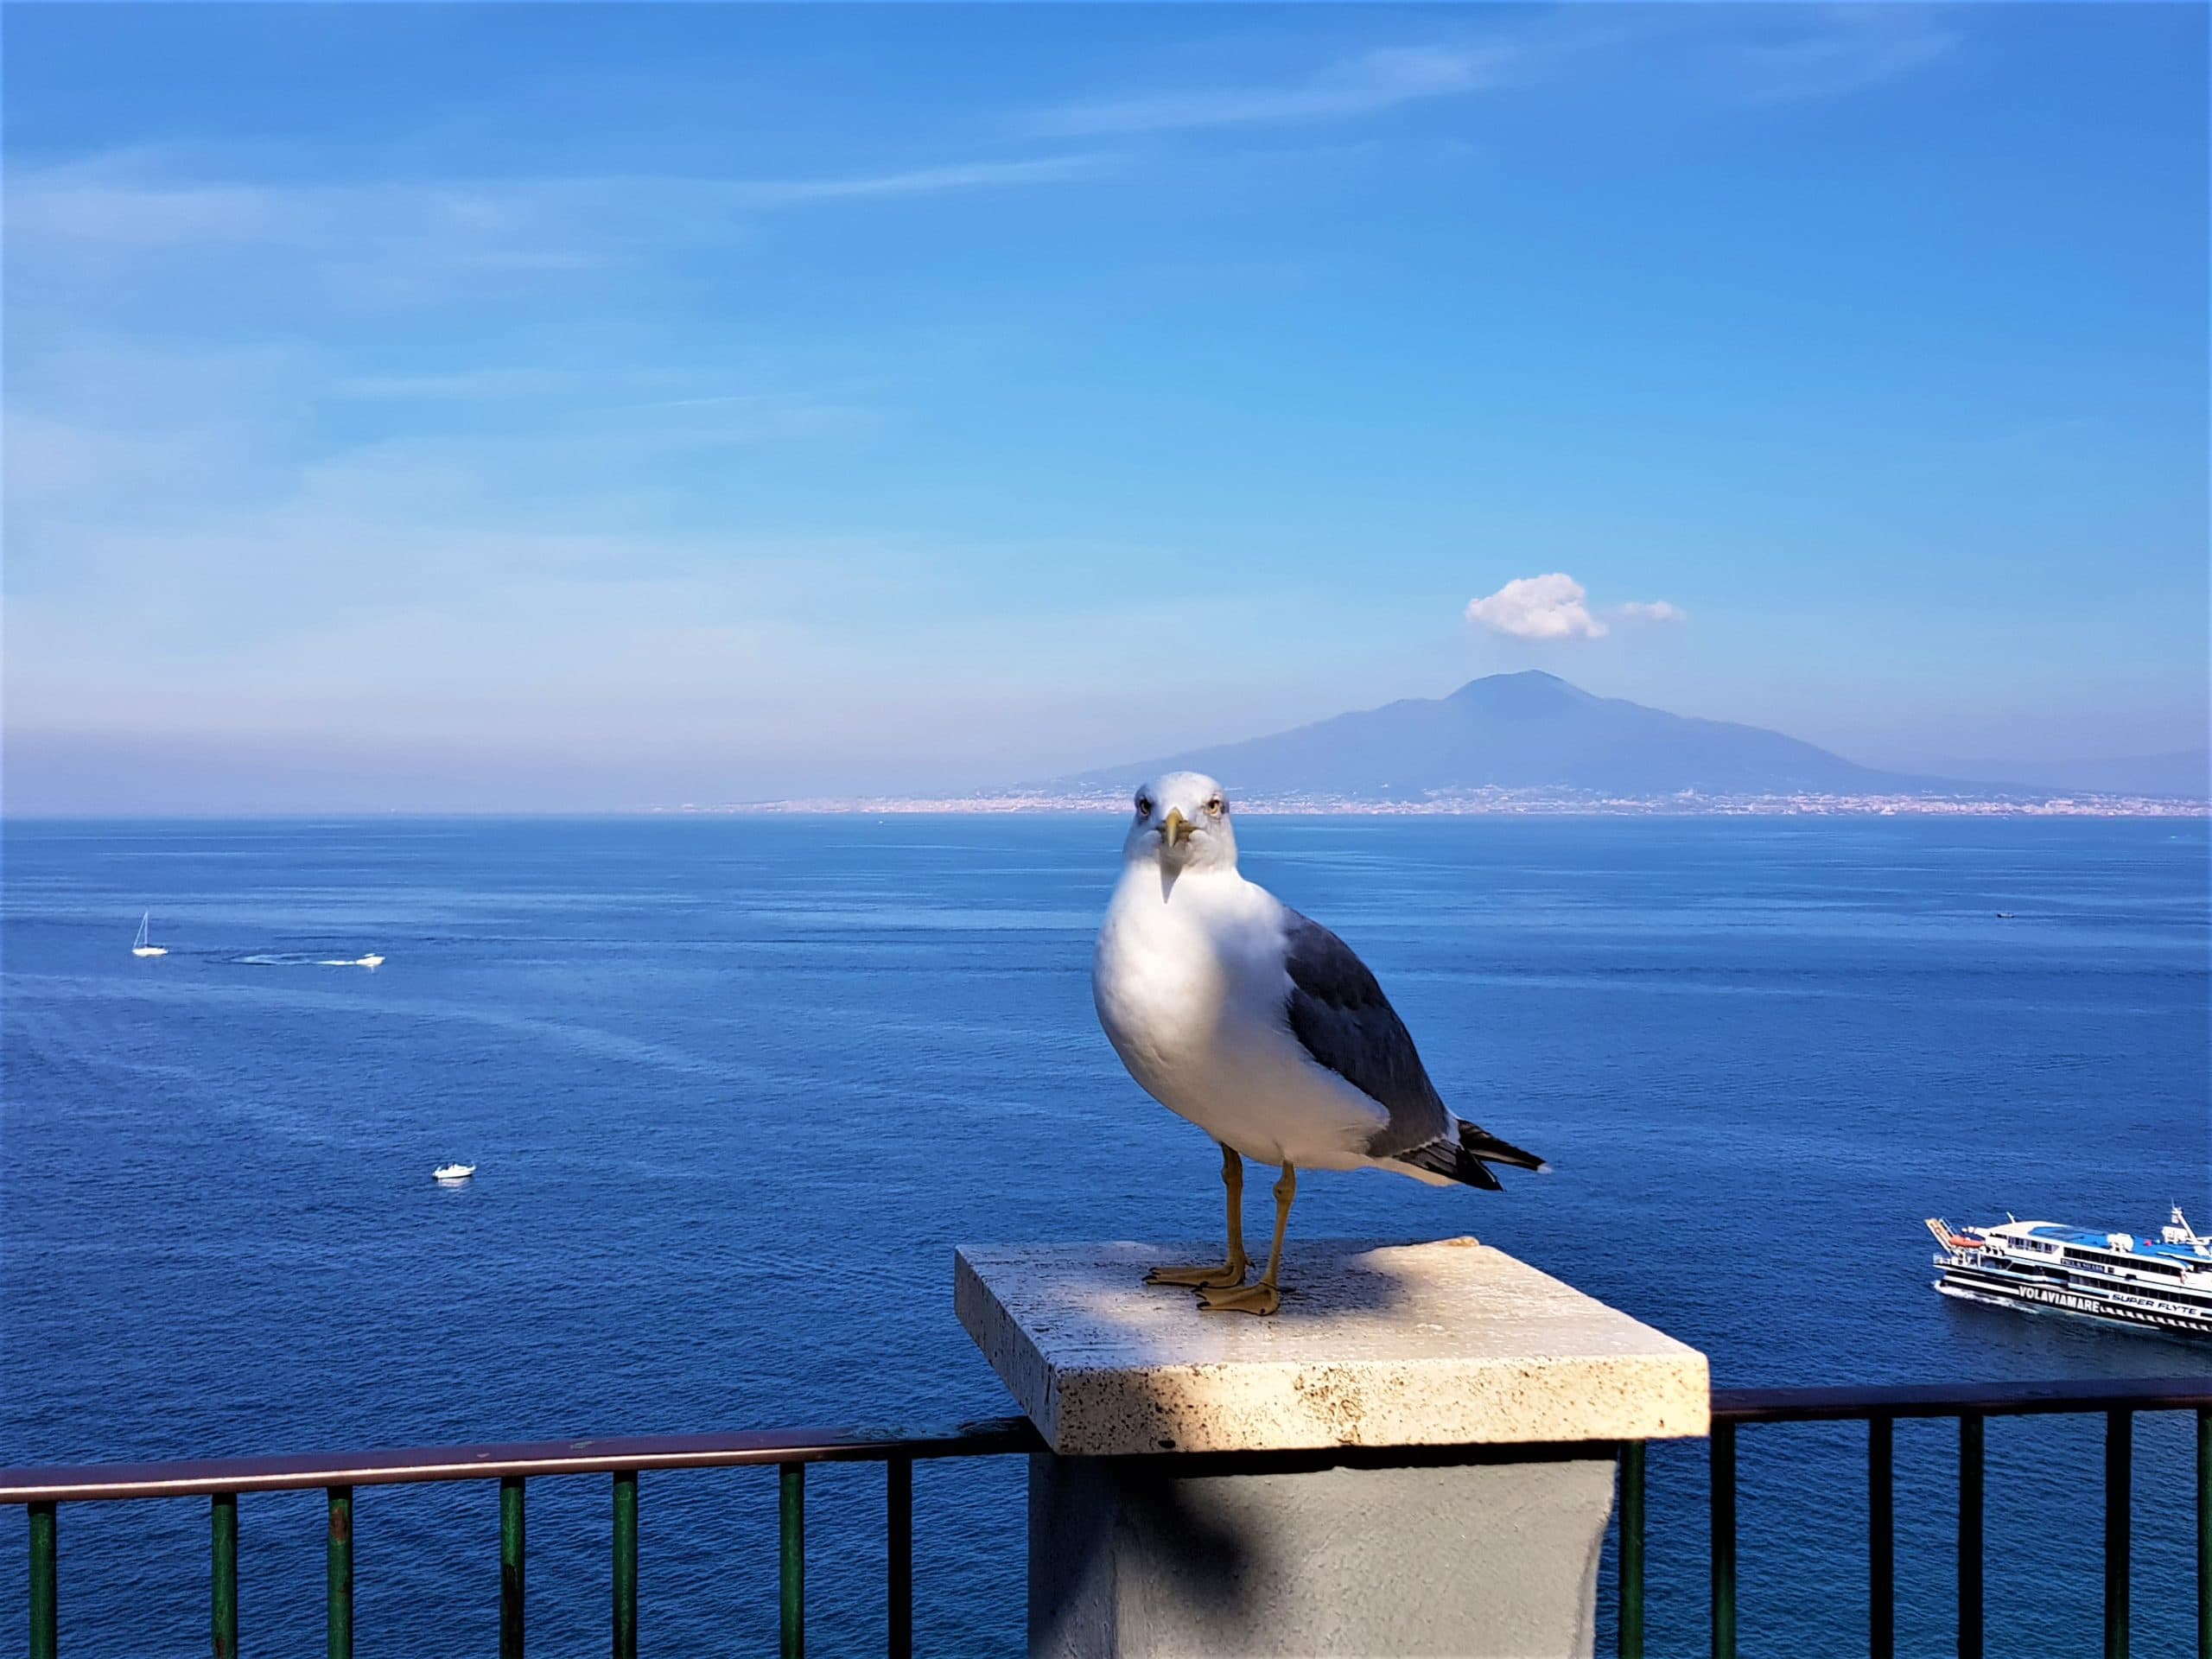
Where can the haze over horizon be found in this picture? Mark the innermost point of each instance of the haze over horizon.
(1532, 731)
(559, 409)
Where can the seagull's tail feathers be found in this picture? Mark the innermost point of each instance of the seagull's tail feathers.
(1467, 1159)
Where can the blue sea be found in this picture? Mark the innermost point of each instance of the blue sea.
(738, 1086)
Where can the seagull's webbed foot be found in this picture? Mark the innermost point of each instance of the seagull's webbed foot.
(1222, 1275)
(1262, 1299)
(1225, 1275)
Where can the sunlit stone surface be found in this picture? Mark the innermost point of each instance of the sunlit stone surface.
(1444, 1344)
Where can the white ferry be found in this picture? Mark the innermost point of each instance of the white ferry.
(2116, 1277)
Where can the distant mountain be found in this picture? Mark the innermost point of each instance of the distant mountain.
(1527, 731)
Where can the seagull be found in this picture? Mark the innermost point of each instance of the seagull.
(1263, 1028)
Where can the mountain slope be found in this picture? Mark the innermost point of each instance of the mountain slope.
(1529, 730)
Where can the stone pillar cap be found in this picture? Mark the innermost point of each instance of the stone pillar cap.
(1377, 1345)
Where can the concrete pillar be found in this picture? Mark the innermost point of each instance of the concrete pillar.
(1414, 1457)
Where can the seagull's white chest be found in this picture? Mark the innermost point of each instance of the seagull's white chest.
(1191, 988)
(1162, 979)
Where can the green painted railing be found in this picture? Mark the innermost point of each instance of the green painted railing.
(41, 1491)
(38, 1491)
(1879, 1408)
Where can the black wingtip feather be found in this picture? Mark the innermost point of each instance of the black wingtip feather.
(1453, 1163)
(1469, 1161)
(1482, 1144)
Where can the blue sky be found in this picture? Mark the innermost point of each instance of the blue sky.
(574, 407)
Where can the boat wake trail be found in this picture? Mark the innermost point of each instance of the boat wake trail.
(300, 959)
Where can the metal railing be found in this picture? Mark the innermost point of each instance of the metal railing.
(221, 1480)
(41, 1491)
(1971, 1404)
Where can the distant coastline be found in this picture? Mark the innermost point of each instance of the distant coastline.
(1483, 802)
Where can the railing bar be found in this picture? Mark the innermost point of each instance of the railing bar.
(2120, 1457)
(1631, 1573)
(338, 1618)
(2204, 1533)
(44, 1583)
(1950, 1399)
(1972, 1467)
(1724, 1541)
(625, 1564)
(1005, 1436)
(898, 1552)
(790, 1530)
(223, 1574)
(511, 1562)
(1881, 1538)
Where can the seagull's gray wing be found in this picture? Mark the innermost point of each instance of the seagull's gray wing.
(1340, 1014)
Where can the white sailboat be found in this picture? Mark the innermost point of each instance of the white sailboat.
(139, 947)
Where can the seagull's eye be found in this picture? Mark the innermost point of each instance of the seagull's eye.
(1144, 806)
(1214, 806)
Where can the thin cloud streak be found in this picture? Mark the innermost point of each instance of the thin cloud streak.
(462, 385)
(100, 203)
(1854, 48)
(1830, 52)
(1375, 82)
(932, 181)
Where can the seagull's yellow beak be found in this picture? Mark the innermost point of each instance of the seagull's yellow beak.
(1175, 829)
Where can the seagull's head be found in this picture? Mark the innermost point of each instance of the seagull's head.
(1182, 823)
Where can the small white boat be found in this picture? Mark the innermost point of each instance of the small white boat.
(453, 1172)
(139, 947)
(370, 961)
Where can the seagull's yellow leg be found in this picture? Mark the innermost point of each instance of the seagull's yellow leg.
(1232, 1271)
(1264, 1297)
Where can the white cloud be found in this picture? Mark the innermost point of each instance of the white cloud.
(1374, 80)
(1555, 606)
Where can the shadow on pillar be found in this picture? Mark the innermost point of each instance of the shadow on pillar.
(1489, 1557)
